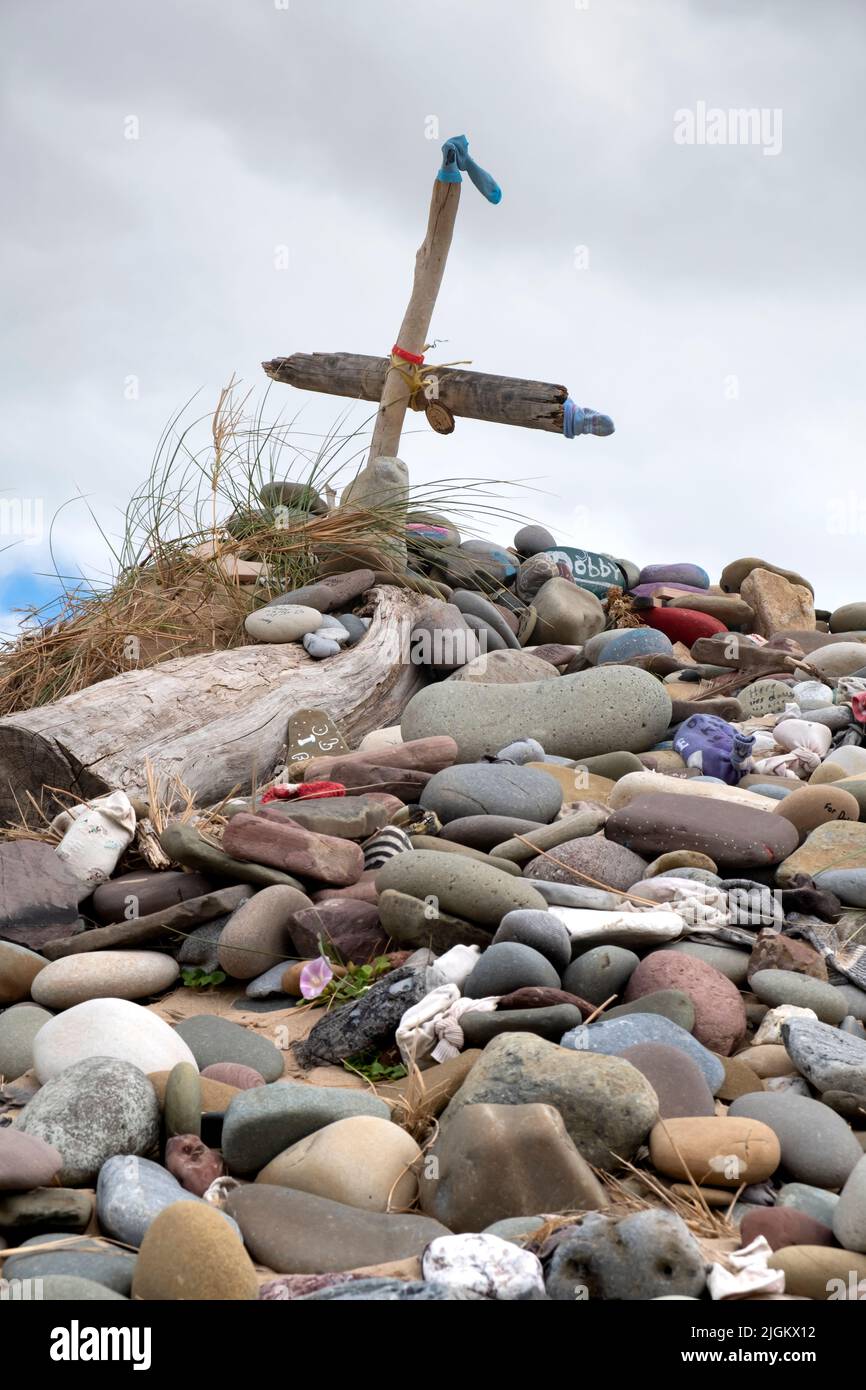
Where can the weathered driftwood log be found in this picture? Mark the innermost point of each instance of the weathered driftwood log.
(502, 400)
(216, 721)
(429, 269)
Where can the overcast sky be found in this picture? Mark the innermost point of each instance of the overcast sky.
(707, 296)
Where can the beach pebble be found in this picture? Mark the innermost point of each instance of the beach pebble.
(107, 1028)
(212, 1039)
(287, 622)
(643, 1255)
(121, 1110)
(612, 1037)
(18, 1028)
(540, 930)
(492, 789)
(817, 1146)
(607, 1106)
(597, 711)
(264, 1121)
(190, 1252)
(26, 1161)
(362, 1161)
(720, 1017)
(600, 972)
(104, 975)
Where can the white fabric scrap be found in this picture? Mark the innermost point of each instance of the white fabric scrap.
(701, 905)
(431, 1028)
(455, 966)
(486, 1264)
(96, 834)
(750, 1273)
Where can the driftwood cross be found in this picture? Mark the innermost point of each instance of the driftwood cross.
(403, 381)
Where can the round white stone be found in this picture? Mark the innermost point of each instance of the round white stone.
(107, 1028)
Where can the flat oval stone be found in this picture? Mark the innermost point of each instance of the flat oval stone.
(458, 885)
(829, 1059)
(672, 1004)
(331, 593)
(819, 1272)
(549, 1022)
(764, 697)
(789, 987)
(486, 832)
(212, 1039)
(808, 807)
(817, 1145)
(145, 891)
(287, 622)
(781, 1226)
(851, 617)
(734, 836)
(529, 540)
(18, 970)
(720, 1017)
(299, 1233)
(839, 659)
(233, 1074)
(598, 711)
(836, 844)
(721, 1151)
(814, 1201)
(491, 789)
(104, 975)
(82, 1257)
(658, 783)
(131, 1192)
(679, 572)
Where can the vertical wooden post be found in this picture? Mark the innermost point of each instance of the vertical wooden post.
(429, 269)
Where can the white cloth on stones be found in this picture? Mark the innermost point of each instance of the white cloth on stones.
(430, 1030)
(701, 905)
(96, 834)
(749, 1273)
(455, 966)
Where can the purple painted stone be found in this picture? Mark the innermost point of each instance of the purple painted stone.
(675, 573)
